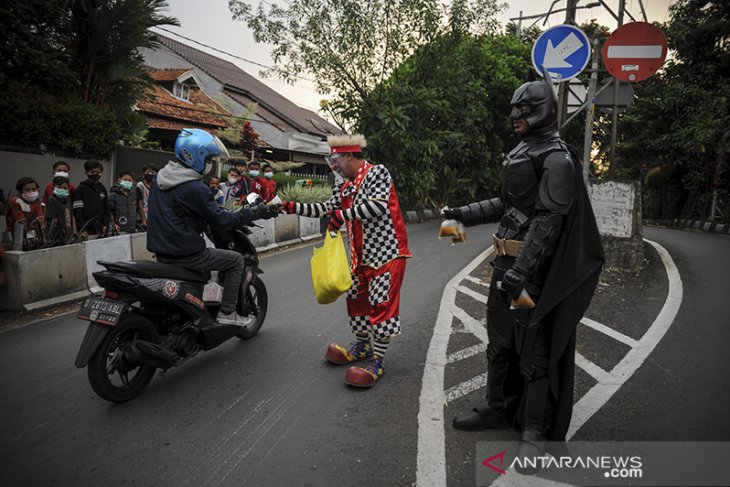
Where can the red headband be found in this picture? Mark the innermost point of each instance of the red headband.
(345, 148)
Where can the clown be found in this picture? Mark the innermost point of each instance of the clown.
(365, 201)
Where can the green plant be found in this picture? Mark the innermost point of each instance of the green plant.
(305, 194)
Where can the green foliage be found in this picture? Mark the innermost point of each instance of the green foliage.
(681, 115)
(352, 46)
(67, 52)
(52, 122)
(305, 194)
(440, 123)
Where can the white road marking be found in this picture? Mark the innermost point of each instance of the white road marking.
(599, 394)
(466, 353)
(431, 457)
(476, 281)
(592, 369)
(431, 468)
(469, 292)
(465, 388)
(616, 335)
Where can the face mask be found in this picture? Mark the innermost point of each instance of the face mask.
(126, 185)
(30, 196)
(94, 178)
(62, 174)
(232, 180)
(60, 192)
(268, 175)
(254, 173)
(149, 177)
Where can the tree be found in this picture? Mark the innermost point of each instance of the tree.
(352, 46)
(679, 121)
(440, 122)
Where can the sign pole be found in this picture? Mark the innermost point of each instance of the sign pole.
(614, 114)
(588, 133)
(563, 87)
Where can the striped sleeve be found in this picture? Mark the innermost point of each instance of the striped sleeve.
(318, 210)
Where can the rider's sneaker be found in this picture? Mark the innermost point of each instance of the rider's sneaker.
(366, 376)
(232, 318)
(357, 350)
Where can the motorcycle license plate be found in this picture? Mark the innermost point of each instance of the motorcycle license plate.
(101, 311)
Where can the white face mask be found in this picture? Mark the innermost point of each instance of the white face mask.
(232, 180)
(62, 174)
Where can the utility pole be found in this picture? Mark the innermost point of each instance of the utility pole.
(563, 87)
(588, 134)
(614, 113)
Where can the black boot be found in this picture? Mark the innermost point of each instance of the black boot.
(532, 446)
(482, 417)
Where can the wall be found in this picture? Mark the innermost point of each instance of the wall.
(43, 278)
(617, 206)
(14, 165)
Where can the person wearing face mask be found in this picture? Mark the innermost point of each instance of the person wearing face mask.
(142, 191)
(238, 185)
(365, 201)
(89, 202)
(25, 207)
(60, 168)
(181, 206)
(60, 227)
(122, 204)
(264, 185)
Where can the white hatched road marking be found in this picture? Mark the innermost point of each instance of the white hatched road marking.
(431, 458)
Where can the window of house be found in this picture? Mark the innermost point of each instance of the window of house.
(181, 91)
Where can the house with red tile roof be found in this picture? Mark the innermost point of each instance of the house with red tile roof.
(177, 101)
(292, 133)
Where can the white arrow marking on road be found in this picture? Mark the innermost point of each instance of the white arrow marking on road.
(634, 52)
(555, 56)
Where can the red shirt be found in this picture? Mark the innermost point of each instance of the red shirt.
(49, 191)
(266, 188)
(21, 211)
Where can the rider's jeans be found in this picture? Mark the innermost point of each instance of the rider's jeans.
(217, 260)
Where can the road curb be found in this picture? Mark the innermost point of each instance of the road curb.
(695, 225)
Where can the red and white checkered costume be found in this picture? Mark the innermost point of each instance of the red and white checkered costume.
(378, 247)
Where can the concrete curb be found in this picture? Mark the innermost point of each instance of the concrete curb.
(696, 225)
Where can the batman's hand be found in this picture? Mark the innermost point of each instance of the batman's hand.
(513, 282)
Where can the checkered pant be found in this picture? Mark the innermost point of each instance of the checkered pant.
(373, 302)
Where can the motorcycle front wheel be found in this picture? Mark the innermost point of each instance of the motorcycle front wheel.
(253, 308)
(110, 375)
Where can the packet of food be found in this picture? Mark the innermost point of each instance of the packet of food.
(454, 229)
(275, 201)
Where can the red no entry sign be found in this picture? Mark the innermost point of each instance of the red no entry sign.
(634, 51)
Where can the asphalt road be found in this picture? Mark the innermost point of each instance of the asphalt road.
(270, 412)
(265, 412)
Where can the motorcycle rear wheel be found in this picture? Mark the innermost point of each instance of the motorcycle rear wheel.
(110, 377)
(254, 309)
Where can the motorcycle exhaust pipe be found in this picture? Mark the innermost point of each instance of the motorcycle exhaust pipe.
(153, 354)
(213, 335)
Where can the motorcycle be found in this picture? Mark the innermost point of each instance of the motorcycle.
(153, 316)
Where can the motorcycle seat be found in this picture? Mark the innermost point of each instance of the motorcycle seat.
(149, 268)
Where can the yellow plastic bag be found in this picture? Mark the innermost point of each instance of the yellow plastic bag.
(330, 271)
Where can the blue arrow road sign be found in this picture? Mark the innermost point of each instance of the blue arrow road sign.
(564, 50)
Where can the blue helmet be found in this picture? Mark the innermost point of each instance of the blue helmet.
(198, 150)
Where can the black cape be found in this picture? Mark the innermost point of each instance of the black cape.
(567, 292)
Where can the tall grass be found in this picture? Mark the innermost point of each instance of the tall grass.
(304, 194)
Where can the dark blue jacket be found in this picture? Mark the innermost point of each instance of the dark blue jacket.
(177, 196)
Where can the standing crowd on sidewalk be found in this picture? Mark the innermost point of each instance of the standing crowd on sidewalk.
(65, 213)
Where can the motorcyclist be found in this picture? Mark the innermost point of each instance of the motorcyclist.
(181, 205)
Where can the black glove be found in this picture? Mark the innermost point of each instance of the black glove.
(513, 282)
(264, 212)
(451, 213)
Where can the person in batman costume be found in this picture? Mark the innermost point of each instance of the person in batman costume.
(548, 259)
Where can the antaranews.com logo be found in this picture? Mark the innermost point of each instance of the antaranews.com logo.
(616, 467)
